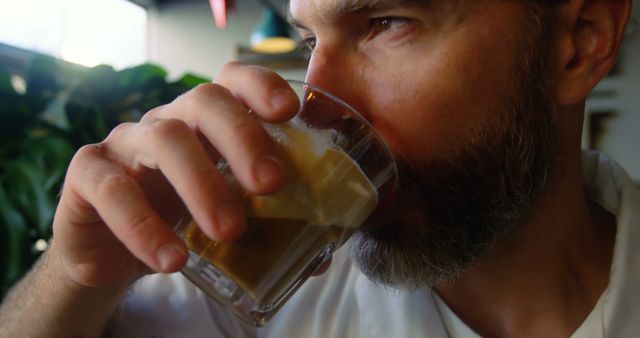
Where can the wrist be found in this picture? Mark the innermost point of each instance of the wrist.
(47, 302)
(57, 270)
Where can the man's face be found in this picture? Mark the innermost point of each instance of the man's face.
(460, 91)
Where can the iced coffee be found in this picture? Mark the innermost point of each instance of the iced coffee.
(291, 232)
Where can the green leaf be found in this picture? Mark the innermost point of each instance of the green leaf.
(97, 86)
(26, 181)
(6, 87)
(15, 260)
(64, 108)
(16, 115)
(87, 121)
(189, 81)
(140, 76)
(4, 256)
(55, 158)
(42, 83)
(20, 185)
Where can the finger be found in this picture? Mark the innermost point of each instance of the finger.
(236, 135)
(162, 112)
(212, 152)
(172, 147)
(260, 89)
(121, 204)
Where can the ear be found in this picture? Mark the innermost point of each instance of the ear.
(590, 34)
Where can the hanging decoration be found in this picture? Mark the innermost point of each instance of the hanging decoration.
(220, 8)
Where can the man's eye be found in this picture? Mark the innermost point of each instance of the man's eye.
(383, 24)
(306, 47)
(309, 43)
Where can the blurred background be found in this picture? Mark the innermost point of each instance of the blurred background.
(70, 70)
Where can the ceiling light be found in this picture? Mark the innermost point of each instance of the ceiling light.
(271, 36)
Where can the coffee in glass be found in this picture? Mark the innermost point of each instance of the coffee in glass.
(336, 167)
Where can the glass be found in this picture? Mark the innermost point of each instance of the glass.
(337, 166)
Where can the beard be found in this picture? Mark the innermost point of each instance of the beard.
(453, 210)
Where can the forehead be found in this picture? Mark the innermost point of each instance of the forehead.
(359, 4)
(336, 8)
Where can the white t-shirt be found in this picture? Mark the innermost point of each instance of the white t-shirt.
(344, 303)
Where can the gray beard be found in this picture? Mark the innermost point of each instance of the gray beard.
(449, 213)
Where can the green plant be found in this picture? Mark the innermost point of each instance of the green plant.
(62, 108)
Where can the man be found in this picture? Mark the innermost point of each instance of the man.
(492, 232)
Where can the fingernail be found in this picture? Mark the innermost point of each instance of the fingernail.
(229, 218)
(268, 169)
(280, 98)
(170, 255)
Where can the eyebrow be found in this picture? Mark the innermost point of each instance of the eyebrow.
(349, 7)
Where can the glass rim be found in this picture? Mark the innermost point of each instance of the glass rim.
(361, 119)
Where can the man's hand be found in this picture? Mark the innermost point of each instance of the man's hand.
(123, 196)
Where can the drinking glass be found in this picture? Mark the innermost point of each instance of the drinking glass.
(338, 168)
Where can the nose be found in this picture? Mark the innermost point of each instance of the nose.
(336, 71)
(324, 67)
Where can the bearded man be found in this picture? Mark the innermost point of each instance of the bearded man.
(501, 225)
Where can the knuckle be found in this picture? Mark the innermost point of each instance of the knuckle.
(235, 66)
(112, 185)
(200, 98)
(141, 228)
(76, 163)
(117, 132)
(151, 114)
(250, 134)
(262, 71)
(82, 162)
(88, 152)
(231, 66)
(206, 91)
(167, 128)
(235, 69)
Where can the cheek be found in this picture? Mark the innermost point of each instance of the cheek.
(425, 114)
(430, 106)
